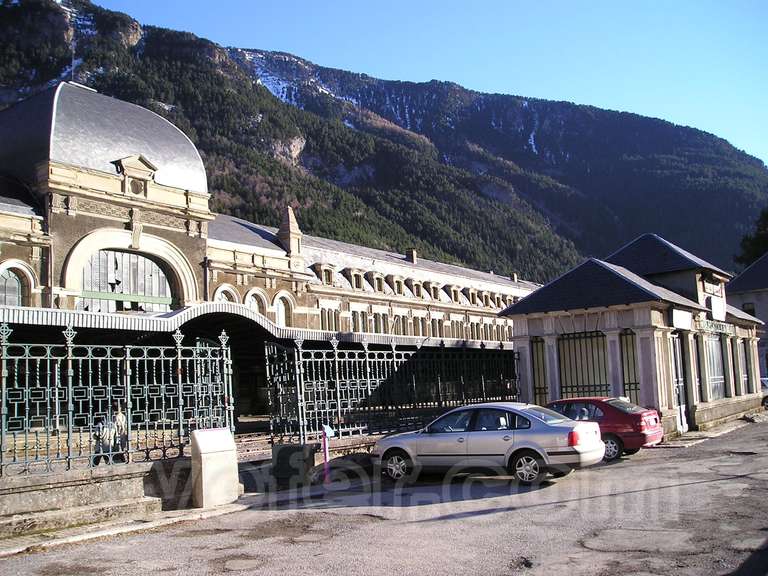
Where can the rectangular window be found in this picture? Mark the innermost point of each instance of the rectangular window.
(714, 355)
(417, 290)
(583, 365)
(358, 280)
(629, 372)
(744, 365)
(328, 277)
(539, 369)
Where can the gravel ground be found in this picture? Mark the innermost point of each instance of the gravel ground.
(690, 511)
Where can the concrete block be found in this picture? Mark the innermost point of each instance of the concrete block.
(214, 468)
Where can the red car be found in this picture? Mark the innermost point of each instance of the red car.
(625, 427)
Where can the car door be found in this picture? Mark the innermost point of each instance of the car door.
(490, 438)
(444, 442)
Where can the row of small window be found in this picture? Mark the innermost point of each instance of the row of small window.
(432, 290)
(380, 323)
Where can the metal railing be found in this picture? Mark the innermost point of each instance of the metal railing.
(361, 389)
(67, 406)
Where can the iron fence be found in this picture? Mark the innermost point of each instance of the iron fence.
(358, 389)
(67, 406)
(583, 364)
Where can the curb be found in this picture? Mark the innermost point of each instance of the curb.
(681, 442)
(135, 526)
(246, 502)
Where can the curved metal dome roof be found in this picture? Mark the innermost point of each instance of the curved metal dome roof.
(75, 125)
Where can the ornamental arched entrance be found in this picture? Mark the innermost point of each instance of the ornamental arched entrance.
(247, 338)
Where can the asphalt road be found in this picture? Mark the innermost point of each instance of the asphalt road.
(694, 511)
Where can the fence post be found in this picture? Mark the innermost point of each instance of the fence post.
(128, 404)
(226, 372)
(297, 370)
(335, 345)
(178, 337)
(5, 333)
(69, 336)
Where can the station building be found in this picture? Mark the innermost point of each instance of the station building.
(105, 226)
(749, 291)
(650, 322)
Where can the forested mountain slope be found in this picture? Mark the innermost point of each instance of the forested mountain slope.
(495, 182)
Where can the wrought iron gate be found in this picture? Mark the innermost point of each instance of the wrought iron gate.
(70, 406)
(360, 389)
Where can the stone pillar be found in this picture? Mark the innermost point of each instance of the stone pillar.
(522, 346)
(646, 363)
(703, 369)
(553, 366)
(613, 351)
(738, 376)
(754, 366)
(725, 343)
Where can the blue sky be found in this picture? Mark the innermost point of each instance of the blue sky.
(699, 63)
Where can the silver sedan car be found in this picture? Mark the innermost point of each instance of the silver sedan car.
(526, 440)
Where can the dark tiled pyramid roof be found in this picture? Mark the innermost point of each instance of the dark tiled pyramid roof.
(593, 284)
(754, 277)
(651, 254)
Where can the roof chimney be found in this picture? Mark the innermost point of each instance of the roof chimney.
(514, 276)
(410, 255)
(289, 232)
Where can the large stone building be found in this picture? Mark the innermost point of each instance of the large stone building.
(651, 322)
(105, 225)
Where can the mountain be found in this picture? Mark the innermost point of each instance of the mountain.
(492, 181)
(600, 177)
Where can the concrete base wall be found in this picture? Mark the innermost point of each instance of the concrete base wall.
(710, 414)
(167, 480)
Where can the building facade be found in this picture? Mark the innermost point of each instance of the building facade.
(651, 322)
(749, 291)
(105, 226)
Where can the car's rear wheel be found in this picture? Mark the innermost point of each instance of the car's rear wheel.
(528, 468)
(397, 465)
(613, 448)
(630, 451)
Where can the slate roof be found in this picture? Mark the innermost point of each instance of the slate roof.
(15, 198)
(78, 126)
(651, 254)
(754, 277)
(739, 314)
(239, 231)
(231, 229)
(595, 284)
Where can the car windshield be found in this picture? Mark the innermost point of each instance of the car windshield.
(545, 414)
(625, 406)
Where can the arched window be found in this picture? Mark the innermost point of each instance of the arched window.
(224, 294)
(283, 313)
(11, 289)
(255, 303)
(329, 319)
(116, 281)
